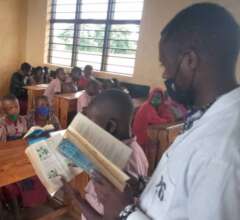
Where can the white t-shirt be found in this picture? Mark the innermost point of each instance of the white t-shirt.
(198, 178)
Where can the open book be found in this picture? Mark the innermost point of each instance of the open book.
(37, 130)
(86, 145)
(50, 165)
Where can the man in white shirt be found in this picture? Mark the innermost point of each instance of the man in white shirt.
(198, 178)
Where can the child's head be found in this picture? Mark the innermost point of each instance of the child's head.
(88, 70)
(38, 73)
(76, 73)
(112, 110)
(11, 107)
(60, 74)
(42, 107)
(25, 68)
(93, 88)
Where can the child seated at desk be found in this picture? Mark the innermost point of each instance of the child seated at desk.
(38, 75)
(93, 89)
(71, 84)
(86, 77)
(113, 110)
(55, 86)
(13, 126)
(152, 112)
(42, 115)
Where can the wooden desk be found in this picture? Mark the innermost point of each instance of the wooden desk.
(15, 166)
(63, 104)
(163, 136)
(33, 92)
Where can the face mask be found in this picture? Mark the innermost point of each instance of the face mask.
(13, 117)
(185, 97)
(42, 111)
(156, 101)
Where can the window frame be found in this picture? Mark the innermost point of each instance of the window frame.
(77, 22)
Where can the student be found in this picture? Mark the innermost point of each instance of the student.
(152, 112)
(38, 76)
(42, 114)
(71, 84)
(198, 177)
(55, 86)
(92, 89)
(85, 78)
(46, 75)
(112, 110)
(18, 81)
(12, 126)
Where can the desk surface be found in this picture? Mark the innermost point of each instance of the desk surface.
(15, 165)
(70, 96)
(36, 87)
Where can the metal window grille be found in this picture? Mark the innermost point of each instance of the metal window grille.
(102, 33)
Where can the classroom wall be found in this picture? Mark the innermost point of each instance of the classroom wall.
(155, 16)
(12, 39)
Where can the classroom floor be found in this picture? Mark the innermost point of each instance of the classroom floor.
(35, 213)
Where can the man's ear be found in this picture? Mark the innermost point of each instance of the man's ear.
(111, 126)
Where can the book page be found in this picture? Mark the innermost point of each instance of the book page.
(39, 129)
(50, 165)
(113, 149)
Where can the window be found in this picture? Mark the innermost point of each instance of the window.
(102, 33)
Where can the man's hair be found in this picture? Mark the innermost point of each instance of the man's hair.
(9, 97)
(207, 28)
(114, 100)
(26, 67)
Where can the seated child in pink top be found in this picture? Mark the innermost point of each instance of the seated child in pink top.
(93, 89)
(113, 110)
(29, 192)
(55, 86)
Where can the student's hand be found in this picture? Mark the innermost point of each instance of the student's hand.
(78, 203)
(72, 195)
(112, 199)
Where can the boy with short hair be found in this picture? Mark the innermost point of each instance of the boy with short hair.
(92, 89)
(113, 110)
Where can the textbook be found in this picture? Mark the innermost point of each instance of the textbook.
(50, 165)
(84, 146)
(37, 130)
